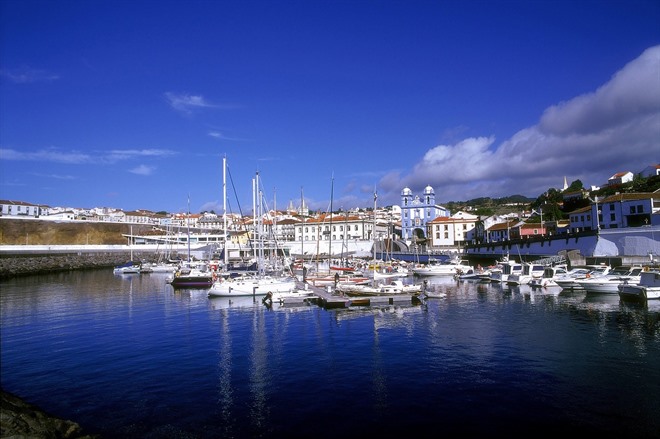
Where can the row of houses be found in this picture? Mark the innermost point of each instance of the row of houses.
(441, 232)
(417, 220)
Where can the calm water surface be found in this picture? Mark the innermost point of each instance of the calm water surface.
(127, 356)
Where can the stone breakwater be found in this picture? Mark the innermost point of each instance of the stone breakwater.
(20, 264)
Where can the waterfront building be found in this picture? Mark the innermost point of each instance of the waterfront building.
(417, 211)
(451, 232)
(335, 228)
(281, 230)
(617, 212)
(626, 210)
(501, 231)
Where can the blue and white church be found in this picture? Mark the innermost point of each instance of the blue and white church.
(416, 211)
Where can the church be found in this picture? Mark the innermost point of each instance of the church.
(417, 211)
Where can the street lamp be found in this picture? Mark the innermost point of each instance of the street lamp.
(595, 200)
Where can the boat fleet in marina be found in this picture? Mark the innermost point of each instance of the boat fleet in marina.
(297, 280)
(276, 278)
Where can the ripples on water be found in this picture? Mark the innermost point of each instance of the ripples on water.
(130, 357)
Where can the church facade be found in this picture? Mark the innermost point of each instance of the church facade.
(417, 211)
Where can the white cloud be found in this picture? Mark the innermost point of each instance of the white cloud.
(186, 103)
(26, 75)
(54, 155)
(55, 176)
(143, 170)
(46, 155)
(126, 154)
(616, 128)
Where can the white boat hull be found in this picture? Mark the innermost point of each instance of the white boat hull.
(251, 287)
(648, 287)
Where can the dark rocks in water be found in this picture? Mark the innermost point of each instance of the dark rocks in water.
(19, 419)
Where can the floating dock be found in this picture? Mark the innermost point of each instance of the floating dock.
(327, 299)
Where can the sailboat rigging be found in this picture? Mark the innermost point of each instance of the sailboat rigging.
(259, 284)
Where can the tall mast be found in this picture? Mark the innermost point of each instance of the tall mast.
(302, 228)
(254, 214)
(373, 233)
(224, 205)
(258, 223)
(332, 191)
(188, 222)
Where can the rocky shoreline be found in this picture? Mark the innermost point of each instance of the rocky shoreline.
(20, 419)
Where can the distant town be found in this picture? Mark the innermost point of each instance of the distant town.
(418, 218)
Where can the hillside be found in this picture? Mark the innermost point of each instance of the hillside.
(37, 232)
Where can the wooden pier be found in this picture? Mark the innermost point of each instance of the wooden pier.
(327, 299)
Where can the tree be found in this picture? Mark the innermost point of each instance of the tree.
(575, 186)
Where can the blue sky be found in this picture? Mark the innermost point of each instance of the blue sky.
(133, 104)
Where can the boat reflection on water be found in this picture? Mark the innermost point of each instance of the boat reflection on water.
(385, 316)
(219, 303)
(439, 286)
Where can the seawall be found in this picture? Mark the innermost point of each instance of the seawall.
(633, 245)
(39, 263)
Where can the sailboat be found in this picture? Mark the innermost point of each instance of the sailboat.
(393, 288)
(258, 284)
(130, 267)
(192, 274)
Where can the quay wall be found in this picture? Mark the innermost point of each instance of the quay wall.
(40, 262)
(18, 260)
(633, 245)
(33, 246)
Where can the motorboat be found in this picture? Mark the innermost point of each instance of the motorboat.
(549, 277)
(648, 287)
(480, 274)
(501, 272)
(530, 270)
(608, 284)
(569, 281)
(454, 267)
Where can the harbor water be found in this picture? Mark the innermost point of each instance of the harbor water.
(128, 356)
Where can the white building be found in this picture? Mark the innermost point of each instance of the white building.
(451, 231)
(22, 209)
(618, 211)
